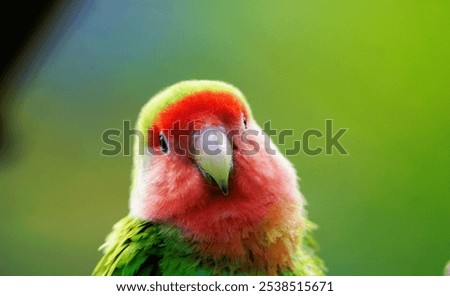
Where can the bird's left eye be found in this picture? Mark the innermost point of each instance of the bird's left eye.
(163, 142)
(245, 121)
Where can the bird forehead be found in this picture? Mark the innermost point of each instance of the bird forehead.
(198, 109)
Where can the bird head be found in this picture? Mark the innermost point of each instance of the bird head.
(202, 164)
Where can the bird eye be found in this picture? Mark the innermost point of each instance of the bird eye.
(163, 142)
(245, 122)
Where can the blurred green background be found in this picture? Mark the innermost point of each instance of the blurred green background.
(379, 68)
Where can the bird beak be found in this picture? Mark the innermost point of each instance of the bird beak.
(213, 155)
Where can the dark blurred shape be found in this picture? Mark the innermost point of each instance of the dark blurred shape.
(19, 22)
(30, 34)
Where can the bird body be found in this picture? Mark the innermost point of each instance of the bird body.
(233, 209)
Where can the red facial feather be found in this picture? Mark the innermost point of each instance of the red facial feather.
(263, 199)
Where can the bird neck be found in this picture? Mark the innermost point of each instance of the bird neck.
(266, 247)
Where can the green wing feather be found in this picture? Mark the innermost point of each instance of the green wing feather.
(137, 247)
(132, 248)
(306, 262)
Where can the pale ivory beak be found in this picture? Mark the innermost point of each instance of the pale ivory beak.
(213, 154)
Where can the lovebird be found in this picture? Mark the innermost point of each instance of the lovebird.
(211, 194)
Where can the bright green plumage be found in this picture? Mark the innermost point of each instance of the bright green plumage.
(137, 247)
